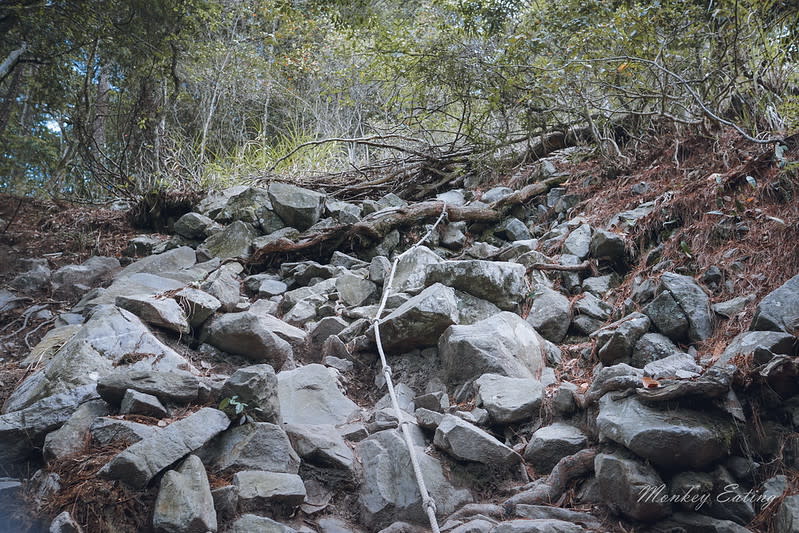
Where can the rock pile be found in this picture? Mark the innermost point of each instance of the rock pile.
(664, 436)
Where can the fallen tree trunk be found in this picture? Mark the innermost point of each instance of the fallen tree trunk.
(375, 227)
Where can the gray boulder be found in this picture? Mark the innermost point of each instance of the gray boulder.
(545, 525)
(71, 437)
(111, 337)
(421, 320)
(608, 246)
(194, 226)
(652, 347)
(411, 269)
(512, 229)
(509, 400)
(233, 241)
(787, 519)
(298, 207)
(197, 305)
(35, 278)
(550, 314)
(354, 290)
(749, 342)
(261, 491)
(388, 491)
(250, 523)
(504, 344)
(105, 430)
(184, 503)
(310, 395)
(552, 443)
(141, 462)
(249, 335)
(74, 280)
(64, 523)
(224, 286)
(255, 386)
(254, 446)
(677, 438)
(321, 445)
(173, 387)
(23, 431)
(467, 442)
(693, 302)
(578, 243)
(499, 282)
(171, 261)
(779, 310)
(668, 317)
(628, 486)
(161, 312)
(615, 342)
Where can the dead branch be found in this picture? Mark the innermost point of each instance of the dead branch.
(585, 265)
(549, 490)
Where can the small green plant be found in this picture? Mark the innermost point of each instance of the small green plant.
(232, 406)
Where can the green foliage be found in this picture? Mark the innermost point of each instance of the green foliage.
(118, 98)
(232, 406)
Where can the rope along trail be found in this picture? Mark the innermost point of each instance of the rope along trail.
(427, 501)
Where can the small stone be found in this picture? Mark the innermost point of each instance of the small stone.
(139, 403)
(260, 491)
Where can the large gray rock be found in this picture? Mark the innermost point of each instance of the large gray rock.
(578, 243)
(509, 400)
(184, 503)
(652, 347)
(64, 523)
(250, 523)
(137, 283)
(244, 203)
(161, 312)
(552, 443)
(389, 491)
(255, 386)
(421, 320)
(298, 207)
(174, 387)
(499, 282)
(541, 525)
(194, 226)
(249, 335)
(472, 309)
(608, 245)
(140, 403)
(787, 519)
(22, 432)
(354, 290)
(106, 430)
(467, 442)
(779, 310)
(411, 269)
(224, 286)
(693, 302)
(749, 342)
(676, 438)
(321, 445)
(71, 437)
(255, 446)
(141, 462)
(310, 395)
(233, 241)
(627, 485)
(504, 344)
(197, 305)
(73, 280)
(261, 491)
(668, 317)
(171, 261)
(111, 337)
(615, 342)
(703, 524)
(35, 278)
(550, 314)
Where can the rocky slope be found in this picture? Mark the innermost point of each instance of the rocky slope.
(555, 376)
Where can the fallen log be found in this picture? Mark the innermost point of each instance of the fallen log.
(376, 226)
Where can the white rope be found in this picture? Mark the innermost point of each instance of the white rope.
(427, 501)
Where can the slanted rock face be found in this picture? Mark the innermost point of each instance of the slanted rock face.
(550, 444)
(298, 207)
(412, 268)
(249, 335)
(256, 386)
(256, 446)
(310, 395)
(676, 438)
(107, 338)
(467, 442)
(499, 282)
(234, 241)
(630, 487)
(421, 320)
(171, 261)
(162, 312)
(184, 503)
(694, 303)
(141, 462)
(509, 400)
(193, 226)
(550, 314)
(74, 280)
(389, 491)
(504, 344)
(779, 310)
(615, 342)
